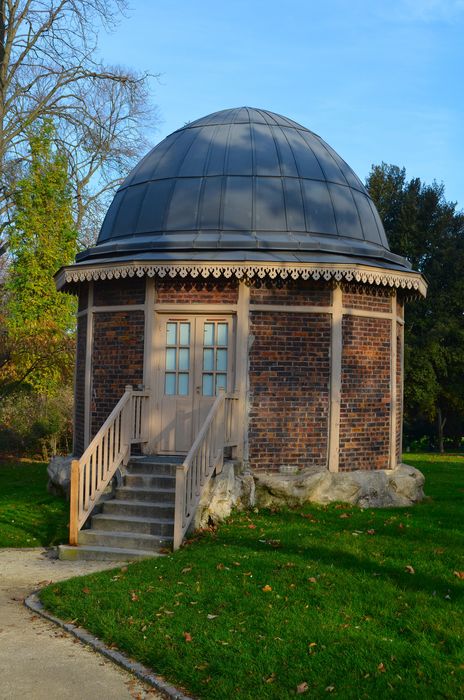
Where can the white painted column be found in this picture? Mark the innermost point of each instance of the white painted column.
(242, 370)
(88, 367)
(393, 384)
(402, 384)
(335, 379)
(149, 359)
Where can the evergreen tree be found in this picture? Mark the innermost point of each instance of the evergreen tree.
(425, 228)
(39, 320)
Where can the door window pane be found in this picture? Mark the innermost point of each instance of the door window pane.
(177, 381)
(221, 360)
(183, 388)
(170, 384)
(184, 333)
(221, 382)
(208, 385)
(171, 333)
(184, 359)
(222, 334)
(208, 334)
(208, 360)
(171, 359)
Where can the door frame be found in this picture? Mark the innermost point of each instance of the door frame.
(191, 313)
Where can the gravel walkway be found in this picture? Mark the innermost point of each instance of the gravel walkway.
(39, 660)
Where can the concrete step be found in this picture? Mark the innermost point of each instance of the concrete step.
(154, 465)
(150, 481)
(123, 540)
(140, 509)
(68, 553)
(151, 469)
(132, 523)
(127, 493)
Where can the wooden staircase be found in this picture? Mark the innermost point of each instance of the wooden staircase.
(153, 509)
(139, 521)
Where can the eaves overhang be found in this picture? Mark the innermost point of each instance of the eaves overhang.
(277, 266)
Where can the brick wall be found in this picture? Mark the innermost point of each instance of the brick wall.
(293, 293)
(365, 400)
(367, 299)
(289, 383)
(79, 387)
(117, 360)
(119, 292)
(82, 297)
(208, 291)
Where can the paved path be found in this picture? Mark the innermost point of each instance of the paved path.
(38, 660)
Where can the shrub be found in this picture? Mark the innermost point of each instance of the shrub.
(32, 424)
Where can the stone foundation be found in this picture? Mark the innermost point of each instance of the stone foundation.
(381, 488)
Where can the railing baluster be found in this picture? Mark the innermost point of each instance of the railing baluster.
(104, 455)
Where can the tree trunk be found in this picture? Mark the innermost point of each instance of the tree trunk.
(440, 425)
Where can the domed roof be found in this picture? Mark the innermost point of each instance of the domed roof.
(243, 184)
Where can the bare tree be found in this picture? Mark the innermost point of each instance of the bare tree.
(49, 69)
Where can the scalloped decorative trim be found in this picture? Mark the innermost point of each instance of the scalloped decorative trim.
(363, 275)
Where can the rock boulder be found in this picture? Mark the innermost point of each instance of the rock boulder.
(59, 476)
(380, 488)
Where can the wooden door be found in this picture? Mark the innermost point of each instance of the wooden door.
(196, 359)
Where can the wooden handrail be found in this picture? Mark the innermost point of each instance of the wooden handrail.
(109, 450)
(205, 457)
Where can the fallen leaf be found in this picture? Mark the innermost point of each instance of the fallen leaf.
(186, 569)
(459, 574)
(312, 579)
(211, 617)
(371, 532)
(345, 515)
(270, 679)
(267, 588)
(302, 687)
(187, 636)
(330, 689)
(252, 527)
(313, 644)
(134, 596)
(86, 590)
(381, 668)
(410, 569)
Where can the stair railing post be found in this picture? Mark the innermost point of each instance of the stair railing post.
(74, 503)
(179, 507)
(219, 432)
(128, 421)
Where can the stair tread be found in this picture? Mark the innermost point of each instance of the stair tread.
(151, 476)
(128, 535)
(133, 502)
(114, 550)
(133, 518)
(144, 489)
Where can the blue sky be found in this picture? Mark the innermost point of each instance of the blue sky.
(378, 80)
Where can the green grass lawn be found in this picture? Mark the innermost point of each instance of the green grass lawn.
(29, 516)
(321, 601)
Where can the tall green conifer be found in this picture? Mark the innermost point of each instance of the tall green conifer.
(39, 320)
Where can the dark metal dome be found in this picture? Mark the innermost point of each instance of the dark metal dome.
(243, 184)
